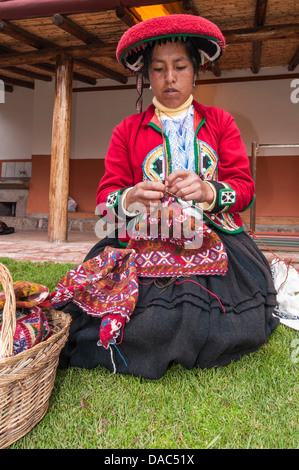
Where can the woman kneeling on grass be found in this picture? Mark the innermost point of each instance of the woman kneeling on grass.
(201, 299)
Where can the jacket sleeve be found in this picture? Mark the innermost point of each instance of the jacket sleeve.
(118, 168)
(235, 190)
(118, 175)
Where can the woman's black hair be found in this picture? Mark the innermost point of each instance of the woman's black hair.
(191, 47)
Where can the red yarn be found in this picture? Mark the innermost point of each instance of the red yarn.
(194, 282)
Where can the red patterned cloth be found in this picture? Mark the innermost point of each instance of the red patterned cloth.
(31, 328)
(174, 241)
(28, 294)
(106, 287)
(31, 322)
(156, 258)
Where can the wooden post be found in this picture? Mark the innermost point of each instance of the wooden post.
(59, 175)
(254, 150)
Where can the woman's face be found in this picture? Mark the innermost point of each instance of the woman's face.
(171, 74)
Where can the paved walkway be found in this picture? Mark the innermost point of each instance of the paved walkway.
(34, 246)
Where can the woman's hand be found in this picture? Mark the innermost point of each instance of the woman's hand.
(188, 186)
(148, 193)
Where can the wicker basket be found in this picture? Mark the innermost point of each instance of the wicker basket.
(26, 379)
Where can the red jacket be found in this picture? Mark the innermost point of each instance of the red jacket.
(222, 160)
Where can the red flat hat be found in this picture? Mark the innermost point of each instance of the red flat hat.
(209, 39)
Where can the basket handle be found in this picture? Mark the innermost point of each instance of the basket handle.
(9, 313)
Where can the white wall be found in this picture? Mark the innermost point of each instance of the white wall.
(94, 115)
(263, 111)
(43, 105)
(16, 120)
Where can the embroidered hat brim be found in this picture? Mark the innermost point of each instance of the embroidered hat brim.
(208, 37)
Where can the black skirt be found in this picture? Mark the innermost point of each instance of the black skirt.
(199, 321)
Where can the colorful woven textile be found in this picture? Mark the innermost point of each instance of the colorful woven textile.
(106, 287)
(31, 328)
(31, 323)
(28, 294)
(156, 258)
(173, 241)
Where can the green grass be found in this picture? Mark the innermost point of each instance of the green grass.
(252, 403)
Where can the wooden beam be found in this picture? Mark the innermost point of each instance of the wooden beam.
(188, 5)
(5, 50)
(80, 33)
(29, 73)
(8, 88)
(264, 33)
(253, 175)
(126, 16)
(214, 67)
(59, 173)
(100, 69)
(21, 71)
(260, 12)
(51, 68)
(22, 35)
(84, 78)
(259, 20)
(80, 52)
(294, 61)
(17, 82)
(200, 82)
(35, 57)
(42, 44)
(76, 76)
(75, 30)
(256, 56)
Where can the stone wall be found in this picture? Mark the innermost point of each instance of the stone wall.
(41, 223)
